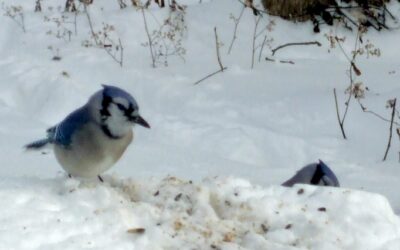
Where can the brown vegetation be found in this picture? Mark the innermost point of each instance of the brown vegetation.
(303, 10)
(369, 13)
(298, 10)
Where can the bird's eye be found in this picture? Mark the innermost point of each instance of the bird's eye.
(121, 107)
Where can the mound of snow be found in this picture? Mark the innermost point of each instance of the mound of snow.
(220, 213)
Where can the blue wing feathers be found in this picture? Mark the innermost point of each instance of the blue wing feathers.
(63, 132)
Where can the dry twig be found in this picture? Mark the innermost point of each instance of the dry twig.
(281, 61)
(341, 121)
(257, 21)
(153, 58)
(16, 14)
(222, 68)
(237, 21)
(352, 67)
(262, 48)
(210, 75)
(392, 104)
(217, 45)
(295, 44)
(364, 109)
(106, 47)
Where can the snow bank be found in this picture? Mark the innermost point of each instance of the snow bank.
(219, 213)
(261, 124)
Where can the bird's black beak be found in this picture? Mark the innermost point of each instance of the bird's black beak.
(139, 120)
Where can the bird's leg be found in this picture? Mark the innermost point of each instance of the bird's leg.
(101, 179)
(69, 175)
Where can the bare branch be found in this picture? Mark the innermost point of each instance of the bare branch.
(166, 40)
(294, 44)
(342, 49)
(119, 48)
(153, 58)
(257, 21)
(237, 21)
(338, 115)
(210, 75)
(217, 47)
(262, 48)
(13, 12)
(91, 25)
(364, 109)
(349, 95)
(393, 104)
(106, 47)
(222, 68)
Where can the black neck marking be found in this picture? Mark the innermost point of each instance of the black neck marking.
(107, 132)
(104, 107)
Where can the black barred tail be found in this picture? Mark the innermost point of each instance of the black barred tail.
(36, 145)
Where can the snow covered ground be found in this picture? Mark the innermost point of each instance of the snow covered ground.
(218, 213)
(207, 174)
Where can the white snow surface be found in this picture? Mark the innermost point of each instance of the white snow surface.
(217, 213)
(207, 174)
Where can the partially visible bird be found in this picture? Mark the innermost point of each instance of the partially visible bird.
(92, 139)
(315, 174)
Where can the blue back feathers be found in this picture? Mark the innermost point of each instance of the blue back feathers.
(314, 174)
(329, 178)
(62, 133)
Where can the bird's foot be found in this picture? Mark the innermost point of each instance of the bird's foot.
(100, 178)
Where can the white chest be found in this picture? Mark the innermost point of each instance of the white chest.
(91, 152)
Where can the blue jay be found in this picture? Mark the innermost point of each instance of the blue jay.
(92, 138)
(315, 174)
